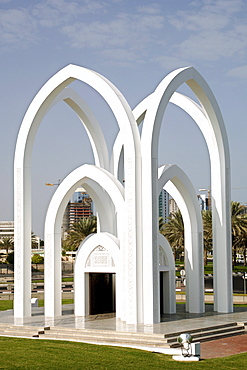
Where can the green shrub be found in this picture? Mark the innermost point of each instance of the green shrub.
(37, 259)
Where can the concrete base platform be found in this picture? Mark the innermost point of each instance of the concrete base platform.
(180, 322)
(176, 323)
(186, 359)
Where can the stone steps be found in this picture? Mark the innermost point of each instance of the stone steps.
(105, 336)
(209, 333)
(20, 331)
(132, 339)
(143, 339)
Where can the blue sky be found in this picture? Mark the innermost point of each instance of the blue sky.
(135, 44)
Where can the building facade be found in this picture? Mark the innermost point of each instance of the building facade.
(173, 207)
(164, 205)
(80, 206)
(6, 229)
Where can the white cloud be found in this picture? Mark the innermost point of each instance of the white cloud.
(170, 62)
(17, 28)
(123, 57)
(54, 13)
(86, 23)
(149, 9)
(211, 30)
(238, 72)
(211, 46)
(125, 30)
(23, 26)
(47, 16)
(207, 31)
(208, 15)
(193, 21)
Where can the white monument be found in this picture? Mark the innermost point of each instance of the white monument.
(128, 243)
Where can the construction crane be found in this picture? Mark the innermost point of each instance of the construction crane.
(58, 183)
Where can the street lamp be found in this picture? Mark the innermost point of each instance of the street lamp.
(185, 340)
(190, 351)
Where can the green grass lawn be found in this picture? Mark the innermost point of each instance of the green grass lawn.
(8, 305)
(19, 353)
(64, 279)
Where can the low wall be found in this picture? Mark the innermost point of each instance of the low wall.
(209, 298)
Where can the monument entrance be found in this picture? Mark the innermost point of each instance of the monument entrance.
(101, 293)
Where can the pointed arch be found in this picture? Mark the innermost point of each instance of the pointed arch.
(53, 223)
(22, 177)
(178, 185)
(153, 114)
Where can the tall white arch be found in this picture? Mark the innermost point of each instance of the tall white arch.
(53, 226)
(22, 176)
(217, 147)
(178, 185)
(153, 114)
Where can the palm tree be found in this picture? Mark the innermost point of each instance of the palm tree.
(34, 240)
(239, 227)
(173, 230)
(161, 224)
(207, 233)
(7, 243)
(80, 230)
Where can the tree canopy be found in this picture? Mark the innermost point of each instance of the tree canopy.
(80, 230)
(7, 243)
(173, 230)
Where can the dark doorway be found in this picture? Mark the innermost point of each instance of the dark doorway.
(165, 299)
(161, 294)
(101, 293)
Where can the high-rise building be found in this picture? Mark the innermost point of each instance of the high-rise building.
(79, 206)
(173, 207)
(164, 205)
(6, 229)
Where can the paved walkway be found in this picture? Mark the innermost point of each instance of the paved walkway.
(177, 323)
(224, 347)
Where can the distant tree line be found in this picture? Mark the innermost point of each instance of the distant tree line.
(173, 230)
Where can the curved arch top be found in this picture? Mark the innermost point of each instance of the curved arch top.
(178, 185)
(162, 95)
(54, 219)
(77, 177)
(152, 112)
(45, 97)
(174, 174)
(107, 240)
(22, 166)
